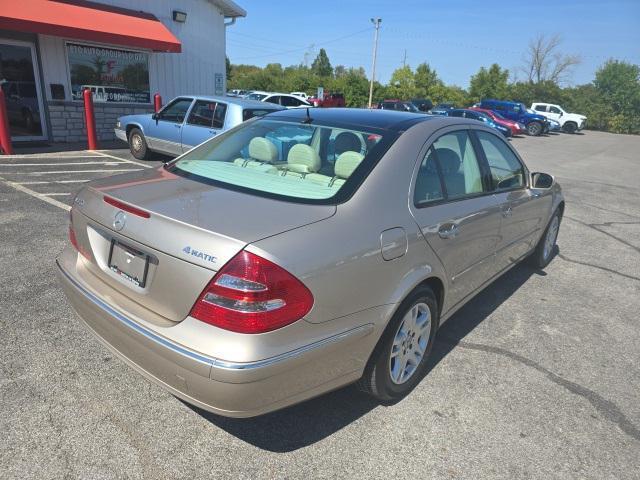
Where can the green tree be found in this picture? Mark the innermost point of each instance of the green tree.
(619, 83)
(426, 79)
(402, 84)
(489, 83)
(321, 66)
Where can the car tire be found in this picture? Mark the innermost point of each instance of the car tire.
(543, 253)
(138, 144)
(534, 129)
(388, 377)
(570, 127)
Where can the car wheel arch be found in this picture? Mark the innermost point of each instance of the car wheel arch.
(131, 126)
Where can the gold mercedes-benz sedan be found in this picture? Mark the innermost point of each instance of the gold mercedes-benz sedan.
(303, 251)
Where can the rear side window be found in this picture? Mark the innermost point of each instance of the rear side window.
(428, 181)
(456, 164)
(290, 102)
(506, 170)
(541, 108)
(274, 99)
(207, 114)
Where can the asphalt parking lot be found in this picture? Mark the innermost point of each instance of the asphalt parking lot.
(536, 378)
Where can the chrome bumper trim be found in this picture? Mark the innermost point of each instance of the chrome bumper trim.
(121, 134)
(212, 362)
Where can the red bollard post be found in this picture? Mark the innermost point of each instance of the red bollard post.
(5, 135)
(157, 102)
(90, 119)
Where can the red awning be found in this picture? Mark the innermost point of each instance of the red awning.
(92, 21)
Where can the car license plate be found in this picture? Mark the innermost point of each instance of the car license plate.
(129, 263)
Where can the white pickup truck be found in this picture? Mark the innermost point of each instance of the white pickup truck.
(569, 122)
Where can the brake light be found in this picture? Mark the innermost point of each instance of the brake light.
(126, 207)
(252, 295)
(74, 240)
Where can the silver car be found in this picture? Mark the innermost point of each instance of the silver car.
(303, 251)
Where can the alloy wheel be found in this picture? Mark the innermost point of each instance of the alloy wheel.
(552, 235)
(410, 343)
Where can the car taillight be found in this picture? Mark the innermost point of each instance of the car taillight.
(252, 295)
(74, 240)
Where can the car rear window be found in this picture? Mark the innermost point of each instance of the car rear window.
(289, 160)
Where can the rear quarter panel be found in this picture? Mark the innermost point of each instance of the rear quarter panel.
(339, 259)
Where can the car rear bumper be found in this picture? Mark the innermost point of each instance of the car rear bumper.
(121, 134)
(233, 389)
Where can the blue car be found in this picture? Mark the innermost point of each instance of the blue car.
(534, 123)
(185, 122)
(481, 117)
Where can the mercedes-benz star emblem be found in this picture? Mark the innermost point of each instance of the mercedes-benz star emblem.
(119, 220)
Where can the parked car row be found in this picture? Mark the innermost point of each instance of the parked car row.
(540, 118)
(293, 99)
(188, 121)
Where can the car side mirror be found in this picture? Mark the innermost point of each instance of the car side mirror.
(561, 113)
(155, 116)
(542, 180)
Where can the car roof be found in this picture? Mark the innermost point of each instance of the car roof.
(362, 118)
(242, 102)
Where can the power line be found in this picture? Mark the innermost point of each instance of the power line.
(305, 48)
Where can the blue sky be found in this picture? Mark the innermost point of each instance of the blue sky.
(456, 37)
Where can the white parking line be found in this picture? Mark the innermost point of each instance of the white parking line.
(76, 171)
(42, 182)
(28, 191)
(53, 194)
(48, 155)
(121, 159)
(56, 164)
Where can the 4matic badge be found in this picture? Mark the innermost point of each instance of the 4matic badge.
(198, 254)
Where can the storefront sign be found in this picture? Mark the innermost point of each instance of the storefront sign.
(113, 75)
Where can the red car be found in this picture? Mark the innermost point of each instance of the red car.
(329, 100)
(515, 127)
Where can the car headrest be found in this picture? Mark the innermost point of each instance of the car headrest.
(346, 163)
(303, 159)
(262, 149)
(449, 160)
(346, 141)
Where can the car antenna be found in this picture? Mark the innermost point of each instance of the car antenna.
(308, 119)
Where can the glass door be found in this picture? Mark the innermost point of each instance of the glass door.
(21, 85)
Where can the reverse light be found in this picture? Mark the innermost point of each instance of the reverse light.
(252, 295)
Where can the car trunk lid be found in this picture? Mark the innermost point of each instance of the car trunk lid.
(188, 223)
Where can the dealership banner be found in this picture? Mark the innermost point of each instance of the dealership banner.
(113, 75)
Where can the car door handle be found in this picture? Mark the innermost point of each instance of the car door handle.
(507, 212)
(448, 231)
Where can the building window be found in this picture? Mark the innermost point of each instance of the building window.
(113, 75)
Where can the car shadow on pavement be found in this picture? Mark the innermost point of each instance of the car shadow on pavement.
(309, 422)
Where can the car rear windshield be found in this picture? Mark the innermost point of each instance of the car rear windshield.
(288, 160)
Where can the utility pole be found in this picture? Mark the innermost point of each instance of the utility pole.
(376, 22)
(404, 59)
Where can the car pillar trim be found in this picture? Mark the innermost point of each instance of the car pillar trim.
(210, 361)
